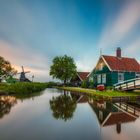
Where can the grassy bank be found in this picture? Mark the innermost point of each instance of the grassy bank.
(103, 94)
(22, 88)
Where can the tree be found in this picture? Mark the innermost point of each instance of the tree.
(63, 107)
(63, 68)
(6, 69)
(6, 103)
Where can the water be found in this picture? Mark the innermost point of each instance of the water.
(55, 115)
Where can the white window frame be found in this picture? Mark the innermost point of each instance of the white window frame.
(104, 78)
(99, 78)
(137, 75)
(120, 79)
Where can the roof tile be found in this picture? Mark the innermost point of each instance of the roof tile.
(122, 64)
(83, 75)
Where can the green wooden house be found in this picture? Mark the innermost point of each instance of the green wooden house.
(114, 69)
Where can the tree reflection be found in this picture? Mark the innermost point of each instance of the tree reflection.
(63, 107)
(6, 103)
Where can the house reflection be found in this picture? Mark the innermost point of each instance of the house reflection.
(110, 114)
(79, 97)
(6, 103)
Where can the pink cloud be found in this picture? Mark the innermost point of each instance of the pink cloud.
(34, 62)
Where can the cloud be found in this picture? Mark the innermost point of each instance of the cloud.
(86, 64)
(32, 61)
(116, 31)
(133, 48)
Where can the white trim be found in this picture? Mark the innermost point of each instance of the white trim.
(79, 77)
(90, 73)
(106, 62)
(106, 118)
(101, 57)
(80, 98)
(128, 113)
(95, 66)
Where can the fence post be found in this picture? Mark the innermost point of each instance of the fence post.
(134, 84)
(126, 85)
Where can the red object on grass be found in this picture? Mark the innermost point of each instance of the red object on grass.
(100, 87)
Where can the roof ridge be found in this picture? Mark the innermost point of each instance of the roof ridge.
(121, 57)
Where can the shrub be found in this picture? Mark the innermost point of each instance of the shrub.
(109, 88)
(91, 84)
(23, 87)
(84, 84)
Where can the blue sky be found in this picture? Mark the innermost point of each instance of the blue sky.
(33, 32)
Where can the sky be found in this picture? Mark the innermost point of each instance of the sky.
(33, 32)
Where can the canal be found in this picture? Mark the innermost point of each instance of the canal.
(57, 115)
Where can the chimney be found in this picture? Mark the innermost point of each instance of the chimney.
(118, 52)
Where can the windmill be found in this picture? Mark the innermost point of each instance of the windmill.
(22, 76)
(33, 78)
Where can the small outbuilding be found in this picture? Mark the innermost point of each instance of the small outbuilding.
(80, 77)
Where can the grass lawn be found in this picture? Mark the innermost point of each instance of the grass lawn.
(107, 94)
(21, 88)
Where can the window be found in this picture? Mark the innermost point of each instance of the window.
(104, 78)
(91, 78)
(99, 79)
(100, 115)
(120, 77)
(137, 75)
(101, 66)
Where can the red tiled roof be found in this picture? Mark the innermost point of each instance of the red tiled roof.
(122, 64)
(83, 75)
(119, 117)
(83, 99)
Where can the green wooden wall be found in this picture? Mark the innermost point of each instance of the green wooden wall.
(111, 77)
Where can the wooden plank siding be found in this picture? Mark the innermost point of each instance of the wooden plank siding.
(114, 69)
(111, 76)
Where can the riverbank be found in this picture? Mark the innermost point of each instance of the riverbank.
(109, 94)
(22, 88)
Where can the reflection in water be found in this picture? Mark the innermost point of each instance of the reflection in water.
(114, 120)
(6, 103)
(107, 113)
(63, 106)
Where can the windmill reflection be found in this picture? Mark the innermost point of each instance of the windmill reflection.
(6, 103)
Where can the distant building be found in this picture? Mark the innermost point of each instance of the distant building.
(80, 77)
(114, 69)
